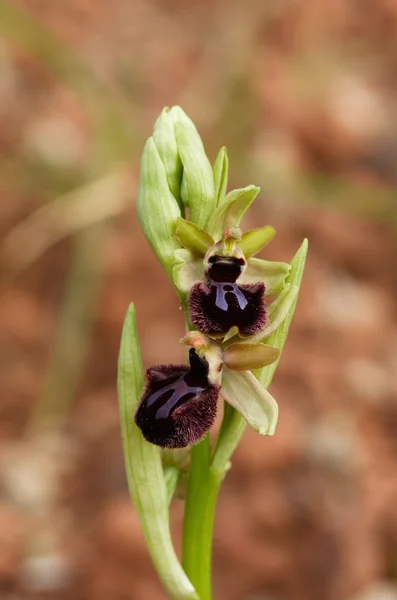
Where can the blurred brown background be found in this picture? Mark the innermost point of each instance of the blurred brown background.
(304, 94)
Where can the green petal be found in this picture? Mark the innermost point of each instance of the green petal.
(166, 144)
(254, 403)
(220, 171)
(231, 211)
(156, 207)
(192, 237)
(273, 274)
(255, 240)
(187, 270)
(248, 356)
(144, 470)
(197, 188)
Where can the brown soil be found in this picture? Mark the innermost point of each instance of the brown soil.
(309, 514)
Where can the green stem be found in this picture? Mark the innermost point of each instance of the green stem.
(201, 497)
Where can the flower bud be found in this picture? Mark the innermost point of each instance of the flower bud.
(220, 170)
(167, 146)
(197, 188)
(156, 206)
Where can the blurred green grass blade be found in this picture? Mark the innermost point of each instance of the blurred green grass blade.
(74, 330)
(145, 476)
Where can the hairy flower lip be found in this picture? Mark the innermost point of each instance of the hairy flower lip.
(179, 403)
(220, 303)
(215, 308)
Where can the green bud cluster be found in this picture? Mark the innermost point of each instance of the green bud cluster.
(175, 176)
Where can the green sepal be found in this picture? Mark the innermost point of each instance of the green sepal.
(145, 477)
(255, 240)
(197, 188)
(278, 337)
(192, 237)
(220, 171)
(277, 311)
(248, 356)
(166, 144)
(244, 392)
(156, 207)
(273, 274)
(187, 270)
(231, 211)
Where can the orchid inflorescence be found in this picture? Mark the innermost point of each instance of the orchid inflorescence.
(179, 403)
(226, 290)
(237, 308)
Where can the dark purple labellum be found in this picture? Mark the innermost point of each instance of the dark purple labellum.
(179, 405)
(222, 303)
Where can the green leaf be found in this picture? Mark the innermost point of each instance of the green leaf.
(156, 207)
(272, 273)
(220, 171)
(248, 356)
(255, 240)
(192, 237)
(166, 144)
(250, 399)
(197, 188)
(145, 476)
(231, 211)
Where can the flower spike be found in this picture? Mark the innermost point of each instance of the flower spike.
(241, 307)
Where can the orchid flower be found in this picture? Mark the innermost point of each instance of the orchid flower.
(179, 404)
